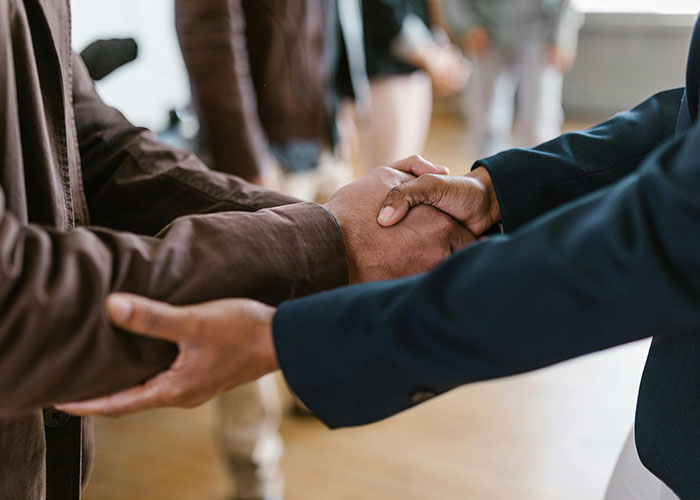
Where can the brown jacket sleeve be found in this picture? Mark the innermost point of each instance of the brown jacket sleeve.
(135, 183)
(213, 42)
(55, 342)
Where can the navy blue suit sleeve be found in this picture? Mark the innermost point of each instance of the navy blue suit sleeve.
(620, 264)
(530, 182)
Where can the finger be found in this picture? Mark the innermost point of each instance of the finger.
(417, 165)
(152, 394)
(396, 205)
(148, 317)
(405, 196)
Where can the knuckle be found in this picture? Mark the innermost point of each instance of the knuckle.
(432, 187)
(145, 319)
(185, 396)
(431, 180)
(396, 192)
(197, 320)
(173, 395)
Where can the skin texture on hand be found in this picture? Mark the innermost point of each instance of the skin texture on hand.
(420, 241)
(222, 344)
(470, 199)
(225, 343)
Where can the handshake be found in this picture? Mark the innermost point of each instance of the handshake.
(396, 221)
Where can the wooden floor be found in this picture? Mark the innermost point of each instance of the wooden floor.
(551, 435)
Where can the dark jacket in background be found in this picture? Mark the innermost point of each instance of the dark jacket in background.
(89, 205)
(260, 74)
(620, 263)
(383, 21)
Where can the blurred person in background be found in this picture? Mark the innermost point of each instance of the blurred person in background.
(405, 63)
(263, 84)
(523, 47)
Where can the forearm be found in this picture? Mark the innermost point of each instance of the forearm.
(54, 286)
(607, 269)
(135, 183)
(530, 182)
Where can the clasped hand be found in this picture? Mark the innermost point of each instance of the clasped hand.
(228, 342)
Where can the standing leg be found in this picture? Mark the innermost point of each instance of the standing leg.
(632, 481)
(249, 419)
(400, 116)
(540, 115)
(490, 99)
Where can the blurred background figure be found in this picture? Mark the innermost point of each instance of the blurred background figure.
(262, 76)
(406, 61)
(521, 47)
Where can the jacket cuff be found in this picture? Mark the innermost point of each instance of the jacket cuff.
(508, 185)
(324, 250)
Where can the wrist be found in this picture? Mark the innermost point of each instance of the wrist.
(491, 207)
(347, 238)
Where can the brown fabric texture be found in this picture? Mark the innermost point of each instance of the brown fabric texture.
(89, 205)
(256, 72)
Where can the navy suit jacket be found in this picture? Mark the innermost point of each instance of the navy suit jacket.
(602, 248)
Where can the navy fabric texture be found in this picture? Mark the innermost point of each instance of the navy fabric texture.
(602, 248)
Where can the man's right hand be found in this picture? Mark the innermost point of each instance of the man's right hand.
(424, 238)
(470, 199)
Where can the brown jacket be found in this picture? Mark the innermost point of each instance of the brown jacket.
(259, 73)
(90, 204)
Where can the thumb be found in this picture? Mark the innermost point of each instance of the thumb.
(147, 317)
(417, 165)
(405, 196)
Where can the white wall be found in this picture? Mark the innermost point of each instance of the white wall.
(627, 51)
(157, 81)
(623, 58)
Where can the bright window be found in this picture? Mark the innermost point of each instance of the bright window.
(645, 6)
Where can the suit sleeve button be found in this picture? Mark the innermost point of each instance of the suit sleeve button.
(55, 418)
(422, 396)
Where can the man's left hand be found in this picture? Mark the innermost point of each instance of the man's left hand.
(222, 344)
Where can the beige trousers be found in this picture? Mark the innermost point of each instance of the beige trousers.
(249, 416)
(248, 420)
(397, 125)
(491, 99)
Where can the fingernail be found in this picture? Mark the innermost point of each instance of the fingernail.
(385, 214)
(120, 308)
